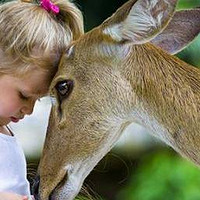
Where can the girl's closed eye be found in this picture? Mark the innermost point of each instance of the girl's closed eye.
(23, 96)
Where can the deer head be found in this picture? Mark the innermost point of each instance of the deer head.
(118, 73)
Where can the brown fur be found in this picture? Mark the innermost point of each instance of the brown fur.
(116, 83)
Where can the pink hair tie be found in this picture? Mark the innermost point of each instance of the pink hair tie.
(49, 6)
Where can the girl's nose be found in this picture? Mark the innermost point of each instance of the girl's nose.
(27, 109)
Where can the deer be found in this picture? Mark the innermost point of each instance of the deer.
(122, 71)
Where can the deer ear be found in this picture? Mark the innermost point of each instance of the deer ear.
(139, 21)
(181, 30)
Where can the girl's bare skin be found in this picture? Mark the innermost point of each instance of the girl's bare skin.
(12, 196)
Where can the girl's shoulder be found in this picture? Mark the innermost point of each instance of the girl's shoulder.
(6, 133)
(6, 130)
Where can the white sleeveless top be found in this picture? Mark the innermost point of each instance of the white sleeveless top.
(12, 167)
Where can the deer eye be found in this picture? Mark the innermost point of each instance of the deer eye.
(64, 88)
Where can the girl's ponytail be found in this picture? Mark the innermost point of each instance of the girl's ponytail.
(70, 17)
(26, 27)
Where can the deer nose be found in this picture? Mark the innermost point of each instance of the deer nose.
(35, 187)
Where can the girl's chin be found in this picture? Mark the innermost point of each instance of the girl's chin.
(4, 121)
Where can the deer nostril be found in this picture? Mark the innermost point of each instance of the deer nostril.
(35, 187)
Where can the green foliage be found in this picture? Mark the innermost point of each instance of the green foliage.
(182, 4)
(163, 177)
(191, 53)
(81, 198)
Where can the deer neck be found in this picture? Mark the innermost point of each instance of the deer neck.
(167, 93)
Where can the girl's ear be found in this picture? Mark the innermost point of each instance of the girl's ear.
(139, 21)
(181, 30)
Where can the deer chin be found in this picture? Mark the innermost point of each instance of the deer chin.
(75, 175)
(71, 184)
(64, 190)
(68, 188)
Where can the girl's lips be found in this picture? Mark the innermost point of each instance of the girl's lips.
(15, 120)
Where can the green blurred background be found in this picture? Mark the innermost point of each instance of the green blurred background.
(140, 168)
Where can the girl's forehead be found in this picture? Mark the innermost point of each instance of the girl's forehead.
(34, 82)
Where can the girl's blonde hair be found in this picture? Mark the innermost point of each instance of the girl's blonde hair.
(31, 35)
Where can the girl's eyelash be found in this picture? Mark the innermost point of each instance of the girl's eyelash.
(22, 96)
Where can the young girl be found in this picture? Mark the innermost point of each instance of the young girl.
(32, 39)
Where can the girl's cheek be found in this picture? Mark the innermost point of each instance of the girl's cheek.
(10, 109)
